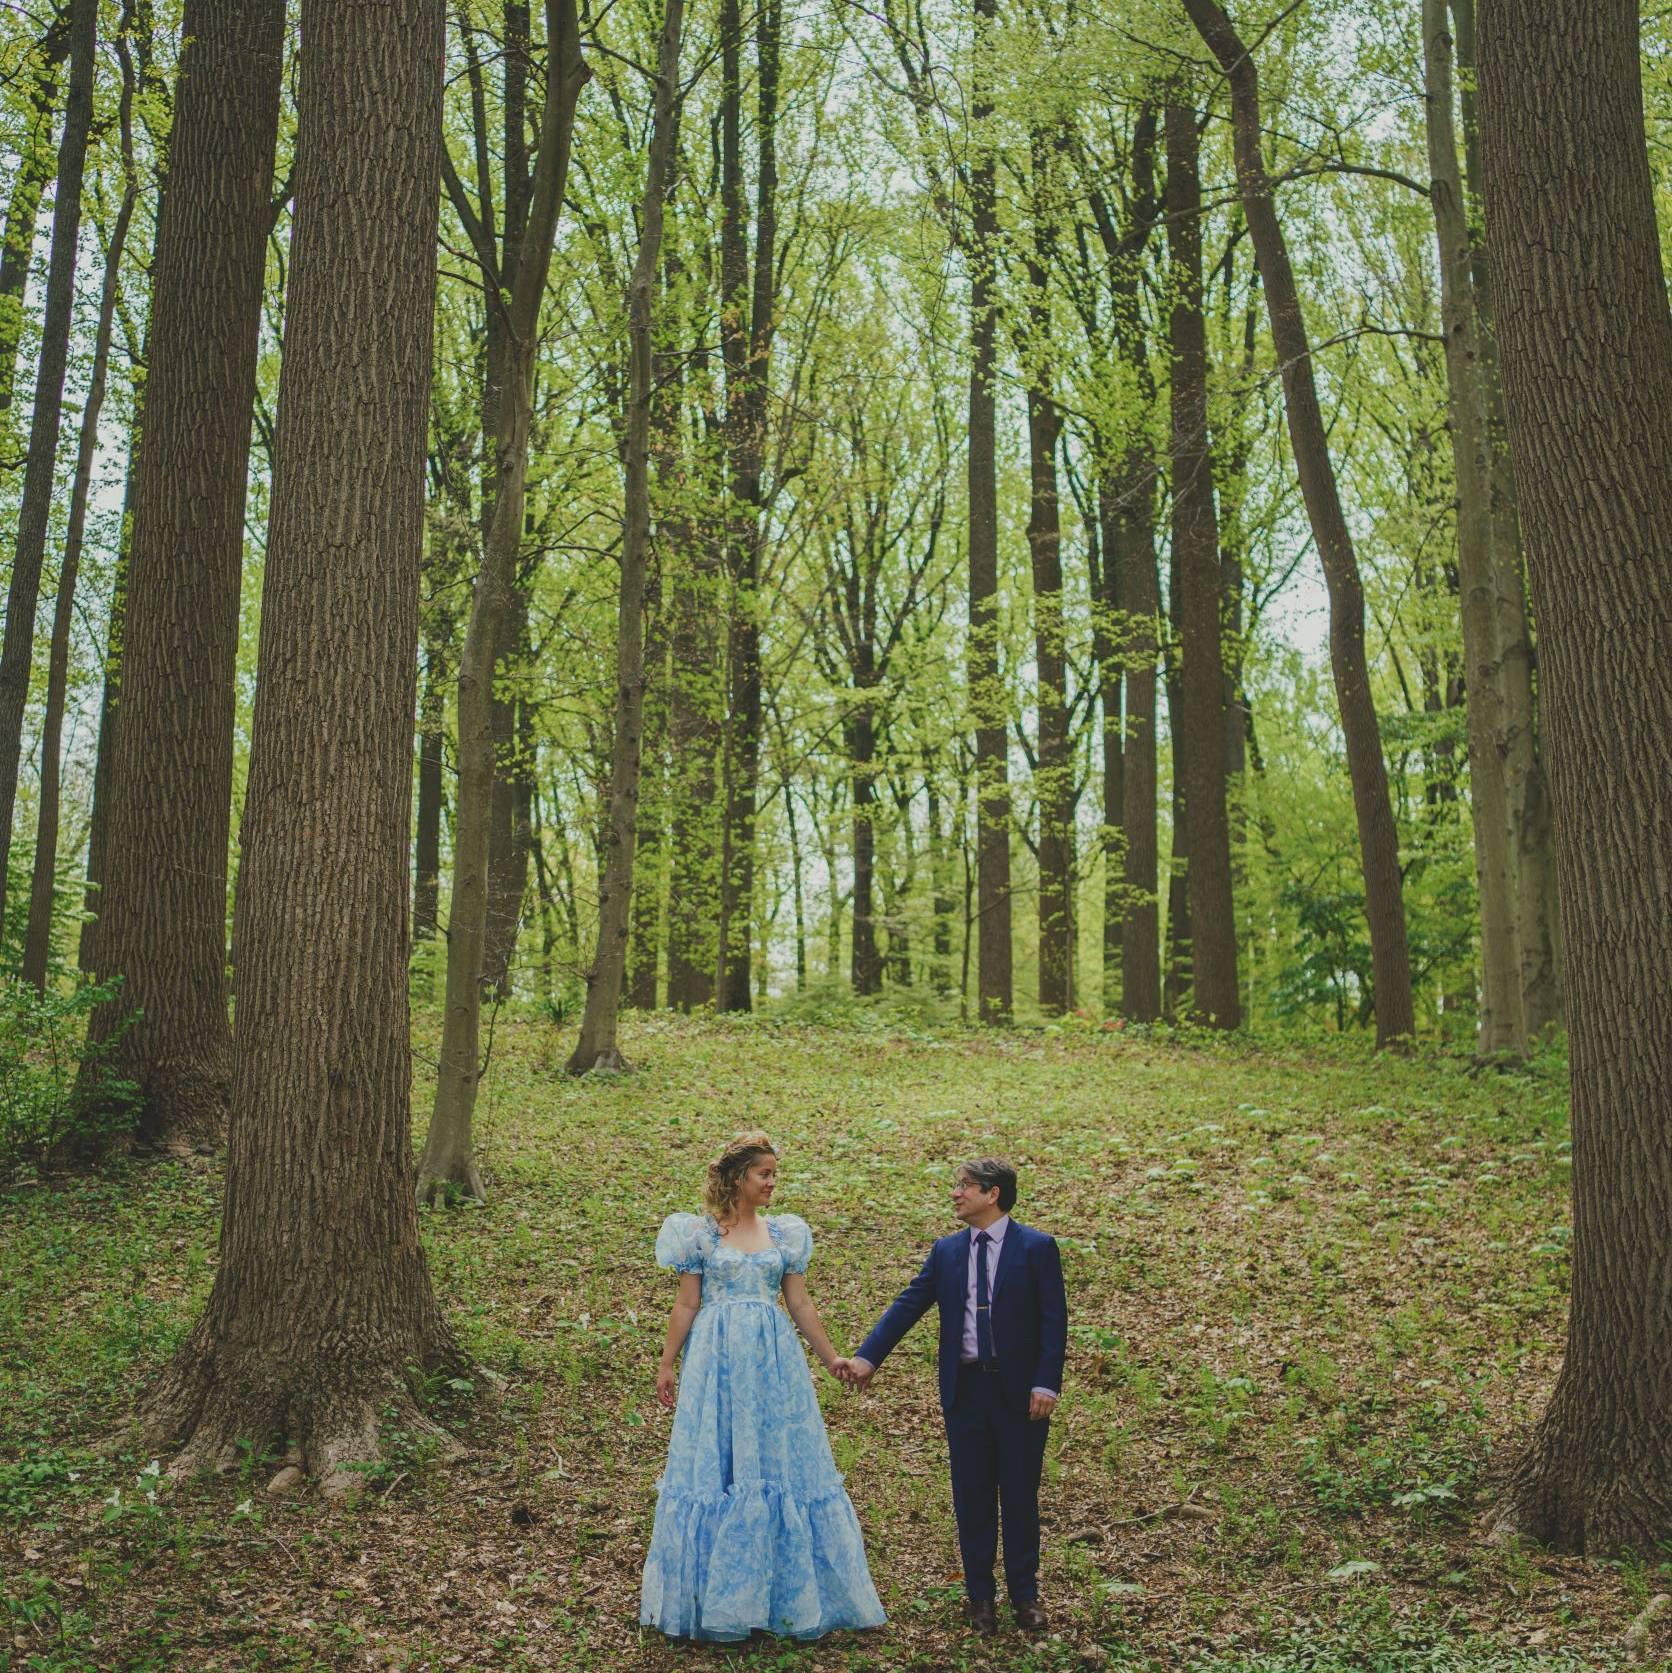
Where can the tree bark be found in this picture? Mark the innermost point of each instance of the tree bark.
(17, 646)
(1529, 794)
(164, 905)
(1373, 809)
(1501, 1027)
(597, 1047)
(986, 696)
(1585, 339)
(1140, 954)
(861, 736)
(644, 949)
(322, 1314)
(37, 943)
(34, 168)
(1217, 998)
(447, 1169)
(432, 795)
(508, 821)
(747, 327)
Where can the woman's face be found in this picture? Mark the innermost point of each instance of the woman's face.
(759, 1181)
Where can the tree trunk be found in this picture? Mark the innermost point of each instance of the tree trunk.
(35, 164)
(1529, 794)
(747, 326)
(1585, 339)
(163, 915)
(37, 944)
(986, 695)
(1103, 547)
(1176, 978)
(940, 876)
(447, 1169)
(862, 752)
(508, 823)
(432, 793)
(1501, 1027)
(17, 648)
(1217, 998)
(796, 885)
(1378, 834)
(596, 1048)
(322, 1315)
(1140, 950)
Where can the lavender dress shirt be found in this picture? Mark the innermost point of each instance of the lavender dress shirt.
(970, 1354)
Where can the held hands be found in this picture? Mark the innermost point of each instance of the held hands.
(856, 1373)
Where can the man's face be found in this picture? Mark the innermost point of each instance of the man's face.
(969, 1200)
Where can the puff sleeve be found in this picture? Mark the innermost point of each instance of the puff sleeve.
(680, 1242)
(795, 1237)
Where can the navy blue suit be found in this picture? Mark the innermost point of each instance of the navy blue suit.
(997, 1452)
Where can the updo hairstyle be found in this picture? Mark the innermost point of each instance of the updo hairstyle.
(728, 1168)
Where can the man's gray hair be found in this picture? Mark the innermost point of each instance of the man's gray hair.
(991, 1173)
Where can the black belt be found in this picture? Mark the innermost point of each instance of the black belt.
(989, 1366)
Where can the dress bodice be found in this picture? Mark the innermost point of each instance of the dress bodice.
(692, 1243)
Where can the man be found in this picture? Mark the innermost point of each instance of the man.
(1003, 1336)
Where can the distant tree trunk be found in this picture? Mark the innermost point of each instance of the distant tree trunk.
(508, 822)
(644, 948)
(98, 823)
(1213, 944)
(1501, 1026)
(1378, 834)
(1103, 550)
(796, 885)
(987, 701)
(432, 793)
(1587, 377)
(1529, 794)
(1140, 955)
(447, 1169)
(1176, 978)
(943, 905)
(163, 907)
(862, 758)
(746, 329)
(37, 945)
(694, 732)
(17, 647)
(596, 1048)
(322, 1317)
(36, 161)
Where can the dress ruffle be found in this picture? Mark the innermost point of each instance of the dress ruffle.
(756, 1556)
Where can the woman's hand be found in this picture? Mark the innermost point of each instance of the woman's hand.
(667, 1386)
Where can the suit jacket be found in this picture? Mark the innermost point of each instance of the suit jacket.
(1029, 1312)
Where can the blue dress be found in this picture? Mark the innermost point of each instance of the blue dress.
(753, 1525)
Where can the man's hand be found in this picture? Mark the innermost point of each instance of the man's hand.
(1041, 1405)
(856, 1373)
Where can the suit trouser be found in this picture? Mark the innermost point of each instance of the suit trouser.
(997, 1457)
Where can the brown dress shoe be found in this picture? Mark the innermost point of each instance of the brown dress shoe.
(982, 1615)
(1030, 1617)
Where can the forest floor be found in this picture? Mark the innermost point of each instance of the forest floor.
(1315, 1299)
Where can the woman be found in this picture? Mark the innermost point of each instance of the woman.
(753, 1526)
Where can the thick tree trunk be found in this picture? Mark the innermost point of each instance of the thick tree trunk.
(17, 645)
(37, 944)
(162, 925)
(322, 1313)
(1217, 998)
(597, 1048)
(1378, 834)
(1585, 339)
(447, 1169)
(1529, 794)
(988, 706)
(1501, 1026)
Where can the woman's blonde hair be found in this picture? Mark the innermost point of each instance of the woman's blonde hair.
(727, 1169)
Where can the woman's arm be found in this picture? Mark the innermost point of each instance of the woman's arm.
(680, 1320)
(806, 1317)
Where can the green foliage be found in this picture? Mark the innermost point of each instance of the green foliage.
(45, 1109)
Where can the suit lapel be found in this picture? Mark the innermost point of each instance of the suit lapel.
(1010, 1251)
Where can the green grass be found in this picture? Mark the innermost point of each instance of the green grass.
(1315, 1297)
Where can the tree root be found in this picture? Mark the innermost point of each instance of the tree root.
(452, 1184)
